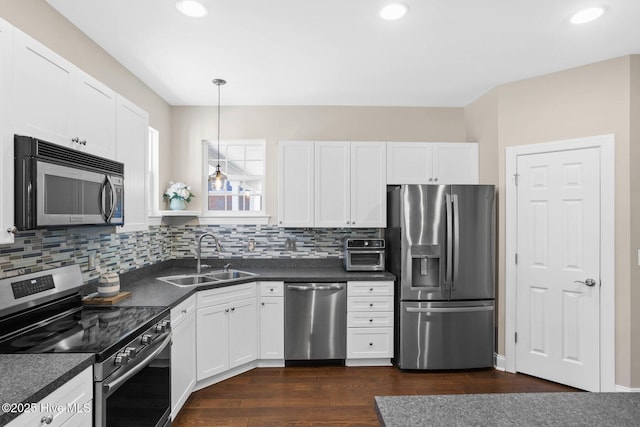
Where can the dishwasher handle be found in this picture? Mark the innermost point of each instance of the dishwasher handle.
(314, 287)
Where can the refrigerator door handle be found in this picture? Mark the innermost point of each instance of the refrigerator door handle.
(449, 239)
(456, 239)
(449, 310)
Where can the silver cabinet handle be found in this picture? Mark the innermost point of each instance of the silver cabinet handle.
(589, 282)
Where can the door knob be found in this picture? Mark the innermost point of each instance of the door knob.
(588, 282)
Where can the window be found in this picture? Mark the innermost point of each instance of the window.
(243, 162)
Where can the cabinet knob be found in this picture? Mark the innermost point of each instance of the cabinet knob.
(371, 305)
(75, 139)
(430, 179)
(83, 142)
(46, 419)
(370, 344)
(233, 309)
(435, 180)
(271, 289)
(370, 320)
(370, 289)
(12, 230)
(226, 310)
(263, 304)
(184, 311)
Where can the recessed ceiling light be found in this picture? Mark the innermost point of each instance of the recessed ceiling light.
(587, 15)
(393, 11)
(192, 8)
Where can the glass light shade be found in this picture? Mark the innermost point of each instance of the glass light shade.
(218, 178)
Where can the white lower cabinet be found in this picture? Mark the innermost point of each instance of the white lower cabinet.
(226, 329)
(183, 353)
(369, 323)
(70, 405)
(271, 315)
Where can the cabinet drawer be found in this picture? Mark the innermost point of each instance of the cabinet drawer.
(271, 289)
(374, 319)
(369, 304)
(182, 310)
(369, 288)
(369, 343)
(229, 293)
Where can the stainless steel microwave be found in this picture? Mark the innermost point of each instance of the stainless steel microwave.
(57, 186)
(364, 254)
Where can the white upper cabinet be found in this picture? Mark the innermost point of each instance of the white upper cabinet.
(455, 163)
(432, 163)
(6, 133)
(57, 102)
(131, 149)
(295, 183)
(332, 184)
(368, 184)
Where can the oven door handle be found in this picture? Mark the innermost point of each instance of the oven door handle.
(111, 387)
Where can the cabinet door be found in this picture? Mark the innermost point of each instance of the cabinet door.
(183, 362)
(332, 184)
(212, 331)
(132, 134)
(44, 88)
(368, 184)
(271, 328)
(455, 163)
(6, 132)
(409, 163)
(295, 183)
(243, 332)
(94, 116)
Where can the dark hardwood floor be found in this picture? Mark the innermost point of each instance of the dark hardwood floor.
(339, 396)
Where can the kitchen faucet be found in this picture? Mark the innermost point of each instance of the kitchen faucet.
(199, 249)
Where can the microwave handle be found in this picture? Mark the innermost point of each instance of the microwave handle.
(113, 198)
(101, 196)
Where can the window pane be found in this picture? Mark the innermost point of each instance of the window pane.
(254, 167)
(235, 152)
(255, 152)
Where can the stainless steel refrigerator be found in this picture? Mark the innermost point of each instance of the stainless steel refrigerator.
(440, 243)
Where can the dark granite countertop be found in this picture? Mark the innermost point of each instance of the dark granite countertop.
(28, 378)
(147, 290)
(510, 409)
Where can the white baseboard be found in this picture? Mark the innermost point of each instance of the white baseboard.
(271, 363)
(624, 389)
(368, 362)
(499, 362)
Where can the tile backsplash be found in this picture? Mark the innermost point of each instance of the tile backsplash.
(99, 249)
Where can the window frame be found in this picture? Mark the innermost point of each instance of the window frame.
(237, 217)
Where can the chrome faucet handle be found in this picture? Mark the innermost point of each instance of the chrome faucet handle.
(205, 266)
(226, 267)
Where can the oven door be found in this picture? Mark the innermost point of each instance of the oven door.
(364, 260)
(71, 196)
(141, 394)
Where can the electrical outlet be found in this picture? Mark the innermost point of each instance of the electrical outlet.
(251, 245)
(91, 261)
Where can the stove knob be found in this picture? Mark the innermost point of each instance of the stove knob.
(146, 339)
(131, 352)
(159, 328)
(167, 325)
(121, 359)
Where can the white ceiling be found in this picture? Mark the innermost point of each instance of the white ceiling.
(339, 52)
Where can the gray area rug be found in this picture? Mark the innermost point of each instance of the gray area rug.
(511, 409)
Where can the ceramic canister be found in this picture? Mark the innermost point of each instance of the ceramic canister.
(109, 284)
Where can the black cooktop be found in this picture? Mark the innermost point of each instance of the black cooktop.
(99, 330)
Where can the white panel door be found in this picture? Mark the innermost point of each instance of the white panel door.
(212, 348)
(409, 163)
(295, 183)
(44, 88)
(368, 184)
(243, 332)
(132, 136)
(332, 184)
(455, 163)
(183, 362)
(558, 307)
(94, 115)
(6, 132)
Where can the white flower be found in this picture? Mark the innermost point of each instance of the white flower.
(178, 190)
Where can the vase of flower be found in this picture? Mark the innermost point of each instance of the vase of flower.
(177, 204)
(178, 194)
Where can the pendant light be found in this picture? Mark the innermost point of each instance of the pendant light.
(218, 177)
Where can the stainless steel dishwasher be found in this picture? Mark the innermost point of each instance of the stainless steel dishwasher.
(315, 321)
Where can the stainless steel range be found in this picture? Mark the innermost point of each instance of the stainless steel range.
(43, 313)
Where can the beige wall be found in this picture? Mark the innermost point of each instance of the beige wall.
(192, 125)
(45, 24)
(584, 101)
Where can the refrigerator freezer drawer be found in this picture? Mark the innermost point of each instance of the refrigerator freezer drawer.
(365, 343)
(446, 335)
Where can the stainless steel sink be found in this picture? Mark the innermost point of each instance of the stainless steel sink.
(217, 276)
